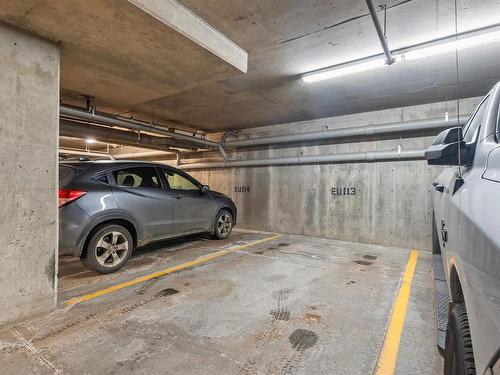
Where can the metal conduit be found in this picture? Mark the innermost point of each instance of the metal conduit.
(110, 120)
(190, 141)
(158, 154)
(147, 154)
(103, 134)
(358, 131)
(383, 40)
(67, 151)
(416, 154)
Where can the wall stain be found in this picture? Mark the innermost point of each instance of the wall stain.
(50, 269)
(314, 318)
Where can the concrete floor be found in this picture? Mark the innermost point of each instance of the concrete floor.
(292, 305)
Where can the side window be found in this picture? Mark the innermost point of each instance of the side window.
(179, 182)
(475, 123)
(138, 177)
(103, 179)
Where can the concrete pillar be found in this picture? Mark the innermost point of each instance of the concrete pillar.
(29, 112)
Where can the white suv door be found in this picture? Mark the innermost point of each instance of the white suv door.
(449, 187)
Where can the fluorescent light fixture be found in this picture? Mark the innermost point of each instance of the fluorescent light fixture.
(421, 52)
(334, 72)
(90, 141)
(450, 46)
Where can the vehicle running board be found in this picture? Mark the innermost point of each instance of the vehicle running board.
(442, 300)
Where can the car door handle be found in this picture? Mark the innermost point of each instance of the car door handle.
(178, 196)
(438, 187)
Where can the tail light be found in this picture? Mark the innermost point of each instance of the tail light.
(68, 195)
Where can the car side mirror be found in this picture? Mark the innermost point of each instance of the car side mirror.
(445, 148)
(204, 189)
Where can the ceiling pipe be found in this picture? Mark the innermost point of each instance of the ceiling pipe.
(147, 154)
(107, 135)
(223, 153)
(111, 120)
(230, 133)
(101, 133)
(155, 154)
(371, 156)
(357, 131)
(67, 151)
(383, 40)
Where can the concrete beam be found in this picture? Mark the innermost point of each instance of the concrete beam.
(181, 19)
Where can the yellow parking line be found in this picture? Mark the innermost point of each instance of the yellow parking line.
(389, 353)
(166, 271)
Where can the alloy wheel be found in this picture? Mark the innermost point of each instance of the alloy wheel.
(225, 224)
(111, 249)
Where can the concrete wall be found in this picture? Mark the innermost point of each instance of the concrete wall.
(29, 111)
(392, 202)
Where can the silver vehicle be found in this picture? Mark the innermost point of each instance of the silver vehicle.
(107, 208)
(466, 241)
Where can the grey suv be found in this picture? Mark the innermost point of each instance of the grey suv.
(107, 208)
(466, 241)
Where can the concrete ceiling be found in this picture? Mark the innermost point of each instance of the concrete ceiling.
(285, 39)
(128, 52)
(143, 72)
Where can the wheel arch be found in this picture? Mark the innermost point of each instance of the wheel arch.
(126, 222)
(456, 291)
(230, 209)
(219, 209)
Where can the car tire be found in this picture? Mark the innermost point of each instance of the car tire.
(458, 356)
(436, 247)
(109, 248)
(223, 225)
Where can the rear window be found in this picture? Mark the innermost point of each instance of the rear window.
(66, 174)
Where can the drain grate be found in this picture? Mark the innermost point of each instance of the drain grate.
(302, 339)
(166, 292)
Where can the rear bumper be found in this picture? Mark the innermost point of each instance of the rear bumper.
(72, 222)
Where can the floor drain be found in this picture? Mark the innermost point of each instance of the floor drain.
(166, 292)
(302, 339)
(363, 262)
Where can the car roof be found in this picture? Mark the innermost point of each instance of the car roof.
(112, 162)
(104, 164)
